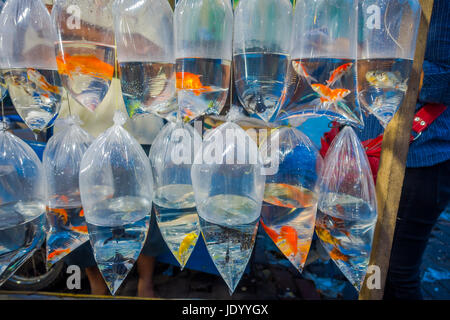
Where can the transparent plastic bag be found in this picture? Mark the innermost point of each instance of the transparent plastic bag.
(261, 43)
(116, 194)
(203, 53)
(3, 87)
(387, 42)
(145, 52)
(290, 199)
(22, 203)
(171, 156)
(61, 161)
(85, 48)
(322, 73)
(229, 187)
(347, 207)
(28, 62)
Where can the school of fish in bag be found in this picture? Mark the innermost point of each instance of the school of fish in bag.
(322, 73)
(261, 43)
(116, 193)
(22, 203)
(28, 62)
(145, 52)
(387, 43)
(293, 167)
(65, 215)
(203, 53)
(347, 207)
(171, 156)
(229, 188)
(85, 48)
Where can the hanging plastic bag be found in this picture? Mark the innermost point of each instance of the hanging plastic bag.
(386, 52)
(347, 208)
(262, 35)
(290, 198)
(116, 194)
(203, 52)
(27, 44)
(22, 203)
(229, 187)
(62, 159)
(171, 157)
(144, 35)
(85, 48)
(322, 76)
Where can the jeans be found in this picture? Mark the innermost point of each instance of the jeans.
(425, 195)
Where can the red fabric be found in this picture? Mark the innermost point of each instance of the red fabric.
(423, 118)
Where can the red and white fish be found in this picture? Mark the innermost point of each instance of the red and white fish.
(330, 95)
(338, 73)
(301, 71)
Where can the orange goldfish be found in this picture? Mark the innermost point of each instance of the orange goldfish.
(293, 196)
(86, 64)
(301, 71)
(61, 213)
(82, 213)
(290, 235)
(190, 81)
(64, 199)
(58, 252)
(338, 73)
(335, 254)
(326, 236)
(40, 81)
(80, 229)
(270, 232)
(330, 95)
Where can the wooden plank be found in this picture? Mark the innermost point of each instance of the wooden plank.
(393, 161)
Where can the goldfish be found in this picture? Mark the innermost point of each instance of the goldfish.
(82, 213)
(330, 95)
(386, 80)
(80, 229)
(190, 81)
(64, 199)
(286, 240)
(326, 236)
(58, 252)
(335, 254)
(301, 71)
(289, 234)
(188, 241)
(40, 81)
(338, 73)
(291, 196)
(61, 213)
(85, 64)
(270, 232)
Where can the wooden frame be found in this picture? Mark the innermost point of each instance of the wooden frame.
(393, 162)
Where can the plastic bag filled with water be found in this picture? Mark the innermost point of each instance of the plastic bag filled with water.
(144, 36)
(3, 87)
(203, 53)
(261, 43)
(288, 215)
(116, 194)
(22, 203)
(229, 187)
(28, 62)
(85, 48)
(65, 215)
(387, 43)
(171, 156)
(347, 207)
(322, 75)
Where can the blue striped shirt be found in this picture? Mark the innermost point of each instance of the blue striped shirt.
(433, 146)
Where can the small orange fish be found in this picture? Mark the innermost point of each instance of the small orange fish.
(80, 229)
(330, 95)
(82, 213)
(190, 81)
(61, 213)
(326, 236)
(58, 252)
(335, 254)
(64, 199)
(301, 71)
(270, 232)
(299, 196)
(338, 73)
(290, 235)
(85, 64)
(40, 81)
